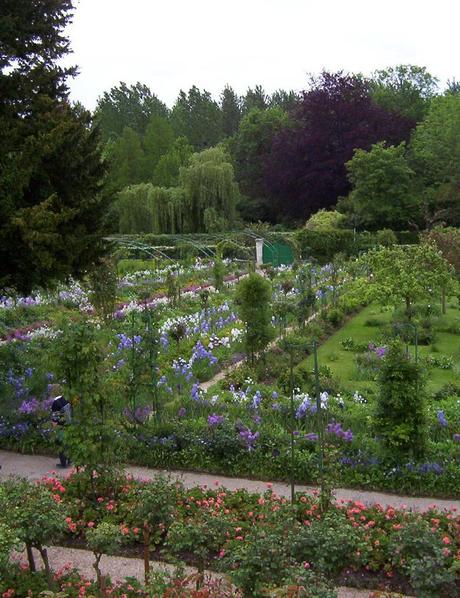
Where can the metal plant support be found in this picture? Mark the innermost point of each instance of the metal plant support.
(319, 416)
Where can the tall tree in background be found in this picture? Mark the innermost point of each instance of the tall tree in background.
(125, 106)
(306, 169)
(51, 212)
(435, 156)
(158, 140)
(210, 190)
(126, 160)
(255, 98)
(230, 105)
(198, 117)
(167, 170)
(250, 148)
(405, 89)
(383, 189)
(286, 100)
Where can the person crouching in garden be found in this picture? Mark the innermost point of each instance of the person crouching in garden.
(61, 416)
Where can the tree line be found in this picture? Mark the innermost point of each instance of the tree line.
(381, 149)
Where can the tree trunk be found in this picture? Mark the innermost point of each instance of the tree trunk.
(408, 309)
(443, 300)
(30, 558)
(44, 554)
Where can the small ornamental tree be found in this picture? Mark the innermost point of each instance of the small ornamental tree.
(408, 274)
(152, 509)
(253, 295)
(34, 516)
(106, 538)
(400, 410)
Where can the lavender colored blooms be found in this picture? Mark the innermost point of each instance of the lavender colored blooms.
(442, 419)
(336, 429)
(29, 406)
(215, 420)
(249, 438)
(182, 412)
(456, 437)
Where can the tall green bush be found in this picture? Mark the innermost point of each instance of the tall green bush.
(400, 410)
(253, 296)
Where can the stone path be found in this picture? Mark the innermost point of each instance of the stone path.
(35, 467)
(118, 568)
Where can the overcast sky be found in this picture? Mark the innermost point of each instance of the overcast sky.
(174, 44)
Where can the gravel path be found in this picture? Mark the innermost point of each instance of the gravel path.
(120, 567)
(35, 467)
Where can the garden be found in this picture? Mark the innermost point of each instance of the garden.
(336, 374)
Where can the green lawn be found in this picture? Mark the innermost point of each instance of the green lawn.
(343, 363)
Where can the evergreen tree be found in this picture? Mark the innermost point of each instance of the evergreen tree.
(51, 211)
(125, 106)
(198, 117)
(158, 140)
(255, 98)
(126, 158)
(231, 111)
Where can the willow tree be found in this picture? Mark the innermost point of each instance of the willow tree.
(210, 190)
(147, 209)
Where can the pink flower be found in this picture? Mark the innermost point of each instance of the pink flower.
(446, 540)
(306, 565)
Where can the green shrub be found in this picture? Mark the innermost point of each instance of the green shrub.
(400, 409)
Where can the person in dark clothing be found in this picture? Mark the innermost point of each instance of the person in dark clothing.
(61, 415)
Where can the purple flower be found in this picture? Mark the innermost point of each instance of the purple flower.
(29, 406)
(215, 420)
(249, 438)
(312, 437)
(442, 419)
(336, 429)
(456, 437)
(182, 412)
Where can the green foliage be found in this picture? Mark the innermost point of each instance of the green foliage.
(419, 553)
(328, 544)
(201, 537)
(325, 245)
(103, 288)
(124, 106)
(104, 539)
(218, 271)
(231, 111)
(249, 149)
(8, 541)
(158, 140)
(253, 295)
(126, 158)
(400, 411)
(147, 209)
(210, 190)
(325, 220)
(407, 274)
(166, 173)
(405, 88)
(197, 117)
(435, 155)
(33, 515)
(382, 194)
